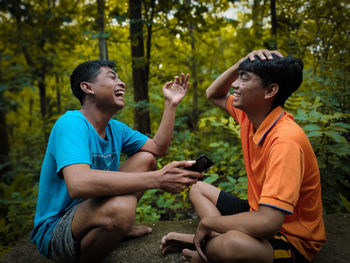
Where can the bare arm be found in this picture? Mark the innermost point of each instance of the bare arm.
(84, 182)
(218, 91)
(173, 92)
(261, 224)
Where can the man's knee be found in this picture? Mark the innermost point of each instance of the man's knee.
(235, 246)
(120, 215)
(149, 160)
(140, 162)
(197, 189)
(226, 247)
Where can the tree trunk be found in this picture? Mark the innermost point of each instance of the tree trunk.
(195, 113)
(59, 84)
(194, 77)
(273, 24)
(42, 93)
(4, 143)
(257, 23)
(4, 137)
(102, 40)
(40, 77)
(139, 69)
(149, 38)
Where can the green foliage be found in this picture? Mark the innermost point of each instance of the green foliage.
(17, 206)
(227, 173)
(327, 127)
(43, 42)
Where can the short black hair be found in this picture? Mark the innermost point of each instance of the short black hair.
(87, 71)
(287, 72)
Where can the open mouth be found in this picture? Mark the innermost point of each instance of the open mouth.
(119, 93)
(236, 94)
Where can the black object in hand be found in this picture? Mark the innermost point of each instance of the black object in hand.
(202, 163)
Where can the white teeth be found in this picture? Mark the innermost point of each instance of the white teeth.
(235, 94)
(120, 93)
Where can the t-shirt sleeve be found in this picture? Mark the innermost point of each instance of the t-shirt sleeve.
(284, 174)
(132, 140)
(71, 142)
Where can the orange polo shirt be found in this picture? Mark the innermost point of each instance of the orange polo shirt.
(283, 173)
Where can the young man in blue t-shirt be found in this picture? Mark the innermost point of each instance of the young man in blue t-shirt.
(86, 202)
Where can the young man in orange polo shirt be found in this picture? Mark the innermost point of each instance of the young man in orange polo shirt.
(282, 219)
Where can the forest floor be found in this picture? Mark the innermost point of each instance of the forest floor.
(146, 249)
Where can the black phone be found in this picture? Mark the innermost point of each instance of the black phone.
(202, 163)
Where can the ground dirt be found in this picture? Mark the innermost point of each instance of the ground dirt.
(146, 249)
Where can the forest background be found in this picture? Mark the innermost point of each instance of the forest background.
(151, 41)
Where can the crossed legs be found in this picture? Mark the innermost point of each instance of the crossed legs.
(101, 223)
(232, 246)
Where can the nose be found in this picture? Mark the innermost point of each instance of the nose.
(235, 83)
(121, 83)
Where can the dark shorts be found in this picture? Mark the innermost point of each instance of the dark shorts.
(63, 247)
(284, 252)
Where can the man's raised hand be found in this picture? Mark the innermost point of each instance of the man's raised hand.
(175, 91)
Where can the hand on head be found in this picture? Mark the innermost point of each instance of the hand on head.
(262, 54)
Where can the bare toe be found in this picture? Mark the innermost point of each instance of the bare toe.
(137, 231)
(175, 242)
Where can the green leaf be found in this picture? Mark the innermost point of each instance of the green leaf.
(346, 203)
(314, 134)
(336, 137)
(212, 178)
(311, 127)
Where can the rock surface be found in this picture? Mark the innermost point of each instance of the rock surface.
(146, 249)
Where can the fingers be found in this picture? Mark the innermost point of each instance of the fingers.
(181, 164)
(200, 251)
(175, 179)
(168, 84)
(182, 80)
(263, 54)
(277, 53)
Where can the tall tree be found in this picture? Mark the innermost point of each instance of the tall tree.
(273, 24)
(149, 10)
(139, 69)
(194, 69)
(38, 27)
(102, 38)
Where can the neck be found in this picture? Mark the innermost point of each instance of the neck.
(97, 118)
(258, 117)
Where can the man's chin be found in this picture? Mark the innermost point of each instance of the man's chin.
(236, 105)
(120, 107)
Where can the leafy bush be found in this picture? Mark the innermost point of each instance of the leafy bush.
(17, 206)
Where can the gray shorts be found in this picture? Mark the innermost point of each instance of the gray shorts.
(63, 247)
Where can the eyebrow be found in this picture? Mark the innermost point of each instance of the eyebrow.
(110, 71)
(114, 73)
(243, 73)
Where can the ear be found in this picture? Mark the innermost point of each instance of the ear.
(271, 90)
(87, 87)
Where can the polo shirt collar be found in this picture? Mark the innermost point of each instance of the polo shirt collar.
(267, 124)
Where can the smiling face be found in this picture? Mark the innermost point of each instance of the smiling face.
(248, 91)
(108, 90)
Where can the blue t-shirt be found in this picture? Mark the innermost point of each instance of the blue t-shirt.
(74, 140)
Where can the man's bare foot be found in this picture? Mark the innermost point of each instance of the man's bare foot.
(175, 242)
(138, 231)
(191, 256)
